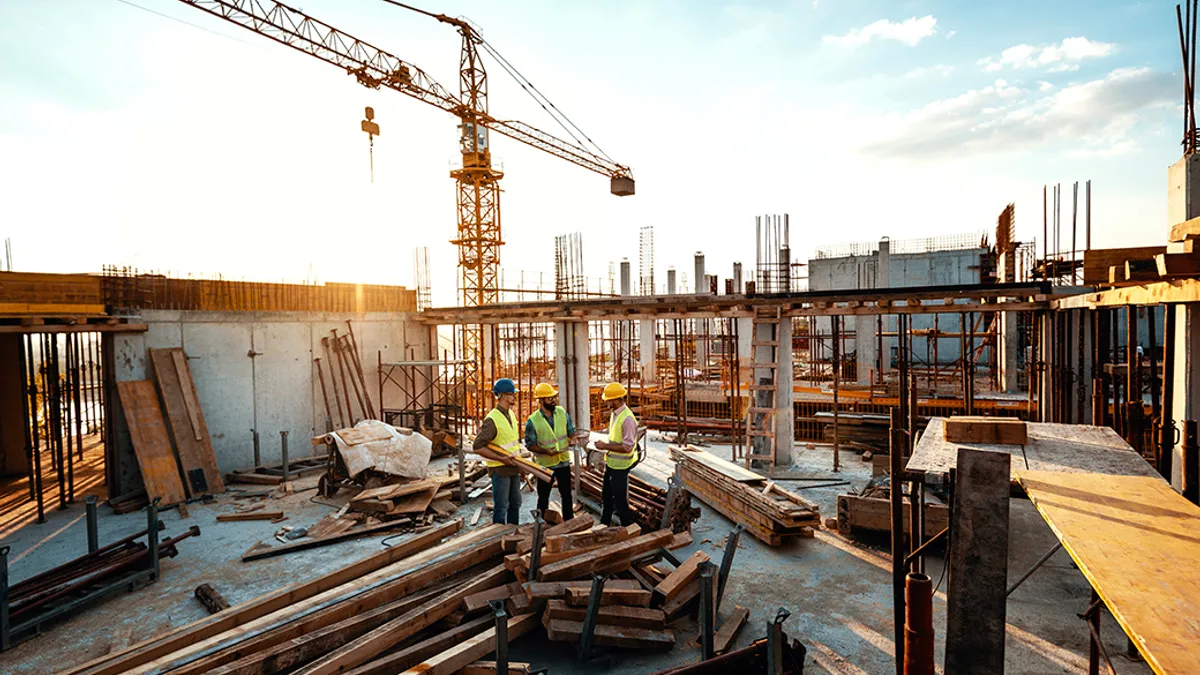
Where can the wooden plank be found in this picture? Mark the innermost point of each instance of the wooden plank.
(725, 636)
(330, 643)
(1140, 270)
(478, 601)
(189, 394)
(1135, 540)
(620, 615)
(410, 656)
(1072, 448)
(196, 458)
(1096, 261)
(547, 590)
(1178, 265)
(683, 603)
(315, 542)
(577, 524)
(592, 539)
(680, 577)
(978, 558)
(723, 466)
(873, 513)
(151, 444)
(592, 561)
(472, 650)
(489, 668)
(989, 430)
(1186, 246)
(630, 597)
(245, 613)
(252, 515)
(627, 637)
(394, 491)
(358, 436)
(414, 503)
(1188, 229)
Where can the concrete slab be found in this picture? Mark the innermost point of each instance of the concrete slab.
(837, 589)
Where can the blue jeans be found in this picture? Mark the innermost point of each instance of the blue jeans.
(506, 499)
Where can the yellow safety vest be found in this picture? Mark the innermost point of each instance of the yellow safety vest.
(612, 458)
(551, 439)
(507, 439)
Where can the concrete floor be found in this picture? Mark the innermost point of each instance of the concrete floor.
(837, 590)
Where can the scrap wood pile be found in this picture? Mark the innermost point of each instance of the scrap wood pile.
(422, 607)
(646, 501)
(400, 505)
(766, 510)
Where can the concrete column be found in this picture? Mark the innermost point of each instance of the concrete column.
(745, 326)
(702, 325)
(700, 279)
(1185, 403)
(865, 347)
(1009, 339)
(785, 423)
(571, 364)
(646, 351)
(737, 278)
(670, 281)
(883, 279)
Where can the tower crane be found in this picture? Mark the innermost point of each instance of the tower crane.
(478, 236)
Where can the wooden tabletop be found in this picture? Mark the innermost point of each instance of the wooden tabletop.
(1067, 448)
(1138, 542)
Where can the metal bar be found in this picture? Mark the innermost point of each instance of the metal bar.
(708, 609)
(152, 536)
(333, 381)
(775, 641)
(1191, 463)
(1096, 648)
(674, 484)
(462, 475)
(257, 449)
(731, 546)
(920, 550)
(837, 367)
(501, 616)
(916, 526)
(1167, 431)
(535, 553)
(5, 634)
(589, 620)
(93, 534)
(283, 452)
(325, 398)
(1041, 561)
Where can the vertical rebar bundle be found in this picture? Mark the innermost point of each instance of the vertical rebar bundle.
(1187, 47)
(646, 261)
(772, 257)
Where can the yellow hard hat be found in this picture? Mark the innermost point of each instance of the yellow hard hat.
(544, 390)
(613, 390)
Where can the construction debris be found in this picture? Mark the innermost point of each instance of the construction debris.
(646, 501)
(212, 600)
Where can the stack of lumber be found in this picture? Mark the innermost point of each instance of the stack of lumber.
(400, 498)
(1179, 259)
(766, 510)
(382, 614)
(646, 501)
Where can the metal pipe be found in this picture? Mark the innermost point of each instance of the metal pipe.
(501, 616)
(333, 381)
(731, 546)
(589, 619)
(93, 534)
(897, 512)
(152, 536)
(1167, 430)
(325, 395)
(918, 627)
(775, 640)
(283, 452)
(535, 553)
(1041, 561)
(708, 609)
(5, 636)
(257, 449)
(1191, 463)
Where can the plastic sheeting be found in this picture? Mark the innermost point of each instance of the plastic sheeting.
(392, 450)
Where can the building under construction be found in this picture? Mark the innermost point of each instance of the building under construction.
(957, 454)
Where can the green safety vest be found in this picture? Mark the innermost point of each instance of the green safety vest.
(614, 459)
(551, 439)
(507, 439)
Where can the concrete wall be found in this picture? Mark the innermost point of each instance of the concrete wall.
(254, 370)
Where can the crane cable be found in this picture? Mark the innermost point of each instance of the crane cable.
(524, 83)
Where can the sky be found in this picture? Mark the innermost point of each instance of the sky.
(148, 133)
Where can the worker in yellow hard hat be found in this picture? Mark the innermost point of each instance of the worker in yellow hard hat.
(548, 432)
(497, 440)
(620, 454)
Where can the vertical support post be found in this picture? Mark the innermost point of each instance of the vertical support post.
(708, 609)
(589, 620)
(5, 637)
(1133, 386)
(916, 523)
(978, 558)
(674, 485)
(501, 616)
(897, 506)
(93, 523)
(918, 627)
(33, 427)
(152, 535)
(1166, 430)
(257, 452)
(283, 451)
(1191, 463)
(1093, 619)
(837, 368)
(462, 476)
(731, 546)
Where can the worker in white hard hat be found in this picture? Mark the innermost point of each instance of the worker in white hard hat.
(620, 454)
(548, 433)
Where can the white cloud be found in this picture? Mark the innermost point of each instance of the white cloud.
(1093, 116)
(910, 32)
(940, 69)
(1060, 57)
(951, 34)
(1044, 86)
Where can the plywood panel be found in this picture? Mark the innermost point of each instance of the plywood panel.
(1071, 448)
(1137, 541)
(194, 450)
(151, 444)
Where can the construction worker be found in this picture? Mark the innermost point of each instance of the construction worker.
(497, 438)
(548, 432)
(619, 455)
